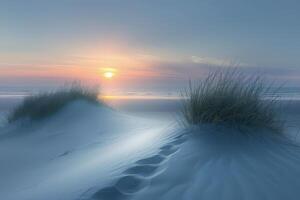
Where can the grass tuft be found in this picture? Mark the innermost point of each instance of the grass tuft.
(229, 96)
(45, 104)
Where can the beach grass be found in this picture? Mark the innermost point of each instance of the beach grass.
(231, 97)
(44, 104)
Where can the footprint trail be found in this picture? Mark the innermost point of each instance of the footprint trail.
(137, 177)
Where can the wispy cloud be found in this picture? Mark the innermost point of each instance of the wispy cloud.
(134, 71)
(217, 61)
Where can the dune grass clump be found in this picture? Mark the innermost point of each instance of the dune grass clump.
(42, 105)
(229, 96)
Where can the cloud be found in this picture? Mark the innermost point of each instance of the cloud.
(216, 61)
(136, 72)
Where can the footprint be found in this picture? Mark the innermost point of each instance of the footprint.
(64, 154)
(87, 195)
(167, 147)
(130, 184)
(136, 178)
(142, 170)
(110, 193)
(152, 160)
(178, 141)
(168, 152)
(179, 136)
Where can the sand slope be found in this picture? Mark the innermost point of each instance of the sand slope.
(214, 165)
(82, 147)
(87, 152)
(212, 162)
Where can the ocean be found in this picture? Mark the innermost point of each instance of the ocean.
(135, 102)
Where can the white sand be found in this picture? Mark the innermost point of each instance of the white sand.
(219, 163)
(82, 147)
(87, 152)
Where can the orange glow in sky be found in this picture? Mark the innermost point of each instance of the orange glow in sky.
(113, 67)
(108, 75)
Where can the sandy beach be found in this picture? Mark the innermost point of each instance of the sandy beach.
(77, 155)
(149, 100)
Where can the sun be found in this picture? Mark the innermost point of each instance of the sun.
(108, 75)
(108, 72)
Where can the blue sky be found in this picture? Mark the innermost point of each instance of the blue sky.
(170, 40)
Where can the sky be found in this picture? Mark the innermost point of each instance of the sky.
(150, 46)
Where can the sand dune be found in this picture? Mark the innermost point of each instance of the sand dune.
(219, 163)
(90, 152)
(82, 147)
